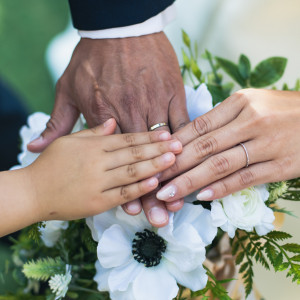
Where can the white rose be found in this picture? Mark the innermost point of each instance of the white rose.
(244, 210)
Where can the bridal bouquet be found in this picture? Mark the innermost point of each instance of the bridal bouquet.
(120, 257)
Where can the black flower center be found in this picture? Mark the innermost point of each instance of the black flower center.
(147, 248)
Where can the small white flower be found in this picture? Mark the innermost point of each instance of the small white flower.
(52, 231)
(198, 101)
(59, 283)
(244, 210)
(37, 123)
(139, 262)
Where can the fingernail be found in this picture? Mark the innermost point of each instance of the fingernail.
(36, 142)
(108, 122)
(168, 157)
(166, 193)
(152, 182)
(205, 195)
(133, 208)
(176, 146)
(158, 215)
(158, 175)
(164, 136)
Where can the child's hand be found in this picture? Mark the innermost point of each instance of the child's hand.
(86, 173)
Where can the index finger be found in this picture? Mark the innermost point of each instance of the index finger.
(219, 116)
(120, 141)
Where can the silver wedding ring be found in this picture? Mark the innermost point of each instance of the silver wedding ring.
(157, 126)
(247, 155)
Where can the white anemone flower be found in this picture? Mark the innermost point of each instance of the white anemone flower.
(139, 262)
(244, 210)
(59, 283)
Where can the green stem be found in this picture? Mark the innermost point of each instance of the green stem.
(81, 289)
(279, 247)
(181, 289)
(191, 77)
(218, 79)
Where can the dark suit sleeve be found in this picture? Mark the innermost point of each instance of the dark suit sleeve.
(104, 14)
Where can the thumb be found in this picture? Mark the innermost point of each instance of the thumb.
(62, 121)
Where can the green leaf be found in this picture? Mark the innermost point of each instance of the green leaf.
(296, 258)
(271, 252)
(232, 70)
(244, 67)
(278, 235)
(186, 38)
(195, 69)
(43, 269)
(240, 257)
(235, 248)
(218, 93)
(268, 72)
(186, 59)
(294, 248)
(278, 261)
(283, 266)
(243, 267)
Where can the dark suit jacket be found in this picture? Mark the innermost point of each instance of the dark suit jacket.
(104, 14)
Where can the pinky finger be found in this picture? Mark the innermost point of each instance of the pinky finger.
(124, 194)
(254, 175)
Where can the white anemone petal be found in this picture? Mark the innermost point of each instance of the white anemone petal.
(121, 277)
(101, 277)
(155, 283)
(114, 247)
(194, 280)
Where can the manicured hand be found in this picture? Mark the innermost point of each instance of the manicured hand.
(86, 173)
(266, 121)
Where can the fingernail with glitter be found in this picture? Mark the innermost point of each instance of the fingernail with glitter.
(167, 193)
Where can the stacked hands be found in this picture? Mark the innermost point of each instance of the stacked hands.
(131, 92)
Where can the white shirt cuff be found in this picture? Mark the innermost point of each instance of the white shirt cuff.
(152, 25)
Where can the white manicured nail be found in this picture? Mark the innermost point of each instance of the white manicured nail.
(205, 195)
(133, 208)
(158, 215)
(167, 193)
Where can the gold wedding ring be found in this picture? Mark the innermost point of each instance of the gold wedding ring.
(247, 155)
(157, 126)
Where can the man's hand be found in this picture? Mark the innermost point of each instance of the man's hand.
(136, 80)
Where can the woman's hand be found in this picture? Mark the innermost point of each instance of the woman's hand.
(267, 122)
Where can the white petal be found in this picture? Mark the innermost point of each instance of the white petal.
(194, 280)
(121, 277)
(79, 125)
(188, 214)
(126, 295)
(267, 223)
(217, 214)
(229, 228)
(37, 121)
(186, 251)
(114, 247)
(135, 223)
(205, 227)
(90, 223)
(101, 277)
(155, 283)
(104, 220)
(198, 103)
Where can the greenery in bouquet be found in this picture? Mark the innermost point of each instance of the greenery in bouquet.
(116, 256)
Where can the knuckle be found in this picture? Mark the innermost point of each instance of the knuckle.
(205, 147)
(137, 153)
(124, 193)
(201, 125)
(223, 188)
(188, 182)
(131, 171)
(129, 139)
(219, 165)
(246, 178)
(53, 124)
